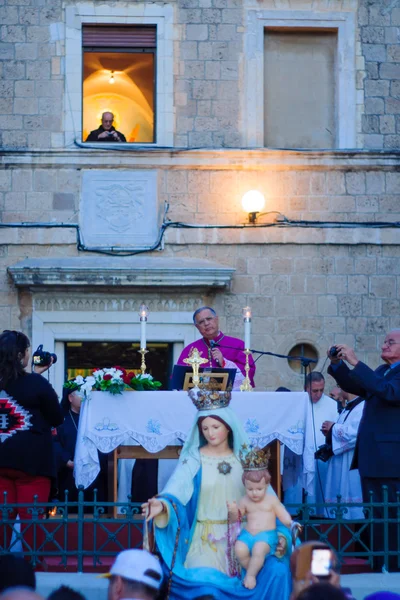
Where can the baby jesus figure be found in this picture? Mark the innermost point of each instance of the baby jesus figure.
(260, 508)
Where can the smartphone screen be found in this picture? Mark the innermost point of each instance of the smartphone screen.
(321, 562)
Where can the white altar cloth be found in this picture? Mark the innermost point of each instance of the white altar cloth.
(155, 420)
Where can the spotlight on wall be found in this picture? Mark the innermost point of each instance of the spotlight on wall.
(253, 202)
(111, 80)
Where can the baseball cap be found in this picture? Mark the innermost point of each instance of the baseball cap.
(137, 565)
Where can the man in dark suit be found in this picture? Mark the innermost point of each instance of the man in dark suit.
(377, 452)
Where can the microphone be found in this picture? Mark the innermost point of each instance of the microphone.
(212, 346)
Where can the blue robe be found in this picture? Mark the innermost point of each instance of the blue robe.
(273, 581)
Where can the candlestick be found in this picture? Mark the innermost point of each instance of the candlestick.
(247, 326)
(143, 351)
(246, 385)
(143, 313)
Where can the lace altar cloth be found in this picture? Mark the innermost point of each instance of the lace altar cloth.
(155, 420)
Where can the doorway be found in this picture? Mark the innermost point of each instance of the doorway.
(81, 358)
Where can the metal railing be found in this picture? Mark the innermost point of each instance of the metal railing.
(87, 535)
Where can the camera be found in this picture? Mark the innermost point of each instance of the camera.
(324, 453)
(110, 133)
(333, 352)
(41, 358)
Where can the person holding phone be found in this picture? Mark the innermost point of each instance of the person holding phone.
(106, 132)
(313, 563)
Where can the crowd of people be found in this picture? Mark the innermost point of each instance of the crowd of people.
(138, 575)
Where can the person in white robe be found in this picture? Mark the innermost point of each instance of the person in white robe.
(340, 480)
(323, 408)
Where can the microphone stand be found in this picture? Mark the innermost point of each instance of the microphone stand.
(306, 362)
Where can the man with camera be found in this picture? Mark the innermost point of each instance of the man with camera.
(377, 452)
(106, 132)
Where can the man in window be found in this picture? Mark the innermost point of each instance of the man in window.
(106, 132)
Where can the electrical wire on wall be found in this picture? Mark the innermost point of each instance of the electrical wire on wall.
(126, 251)
(166, 224)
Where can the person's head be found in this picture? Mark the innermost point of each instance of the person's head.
(64, 592)
(20, 593)
(347, 397)
(214, 431)
(391, 347)
(382, 595)
(206, 321)
(282, 389)
(16, 572)
(315, 385)
(14, 355)
(322, 591)
(71, 400)
(256, 483)
(336, 393)
(134, 574)
(107, 120)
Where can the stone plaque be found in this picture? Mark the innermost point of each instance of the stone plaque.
(119, 208)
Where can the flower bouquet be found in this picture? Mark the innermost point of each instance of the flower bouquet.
(114, 380)
(109, 380)
(140, 382)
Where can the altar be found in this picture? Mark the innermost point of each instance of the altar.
(155, 421)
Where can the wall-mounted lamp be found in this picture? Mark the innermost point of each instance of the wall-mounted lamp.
(111, 80)
(253, 202)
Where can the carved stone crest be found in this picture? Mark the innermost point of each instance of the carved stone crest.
(119, 208)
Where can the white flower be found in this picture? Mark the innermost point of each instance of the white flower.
(79, 380)
(87, 386)
(145, 376)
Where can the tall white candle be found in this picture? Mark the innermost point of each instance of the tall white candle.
(247, 333)
(143, 332)
(247, 326)
(143, 312)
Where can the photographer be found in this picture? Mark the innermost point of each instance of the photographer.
(29, 408)
(340, 443)
(106, 132)
(377, 452)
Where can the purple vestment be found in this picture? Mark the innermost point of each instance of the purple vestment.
(231, 349)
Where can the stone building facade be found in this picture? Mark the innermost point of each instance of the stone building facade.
(326, 270)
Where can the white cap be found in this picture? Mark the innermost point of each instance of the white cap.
(137, 565)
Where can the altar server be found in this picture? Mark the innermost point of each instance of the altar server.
(341, 437)
(220, 349)
(323, 408)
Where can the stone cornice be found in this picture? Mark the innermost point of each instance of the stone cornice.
(131, 272)
(256, 159)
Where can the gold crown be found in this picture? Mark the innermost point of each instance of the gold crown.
(254, 459)
(208, 396)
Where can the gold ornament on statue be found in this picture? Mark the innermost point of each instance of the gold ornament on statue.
(254, 459)
(208, 396)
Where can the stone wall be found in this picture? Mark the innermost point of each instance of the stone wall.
(209, 70)
(312, 285)
(380, 36)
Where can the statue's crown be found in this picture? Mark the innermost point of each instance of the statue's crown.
(254, 459)
(208, 396)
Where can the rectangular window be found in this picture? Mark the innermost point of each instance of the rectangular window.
(300, 88)
(119, 76)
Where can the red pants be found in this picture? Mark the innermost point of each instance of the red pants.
(21, 488)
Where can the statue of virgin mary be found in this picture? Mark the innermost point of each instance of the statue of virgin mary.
(190, 516)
